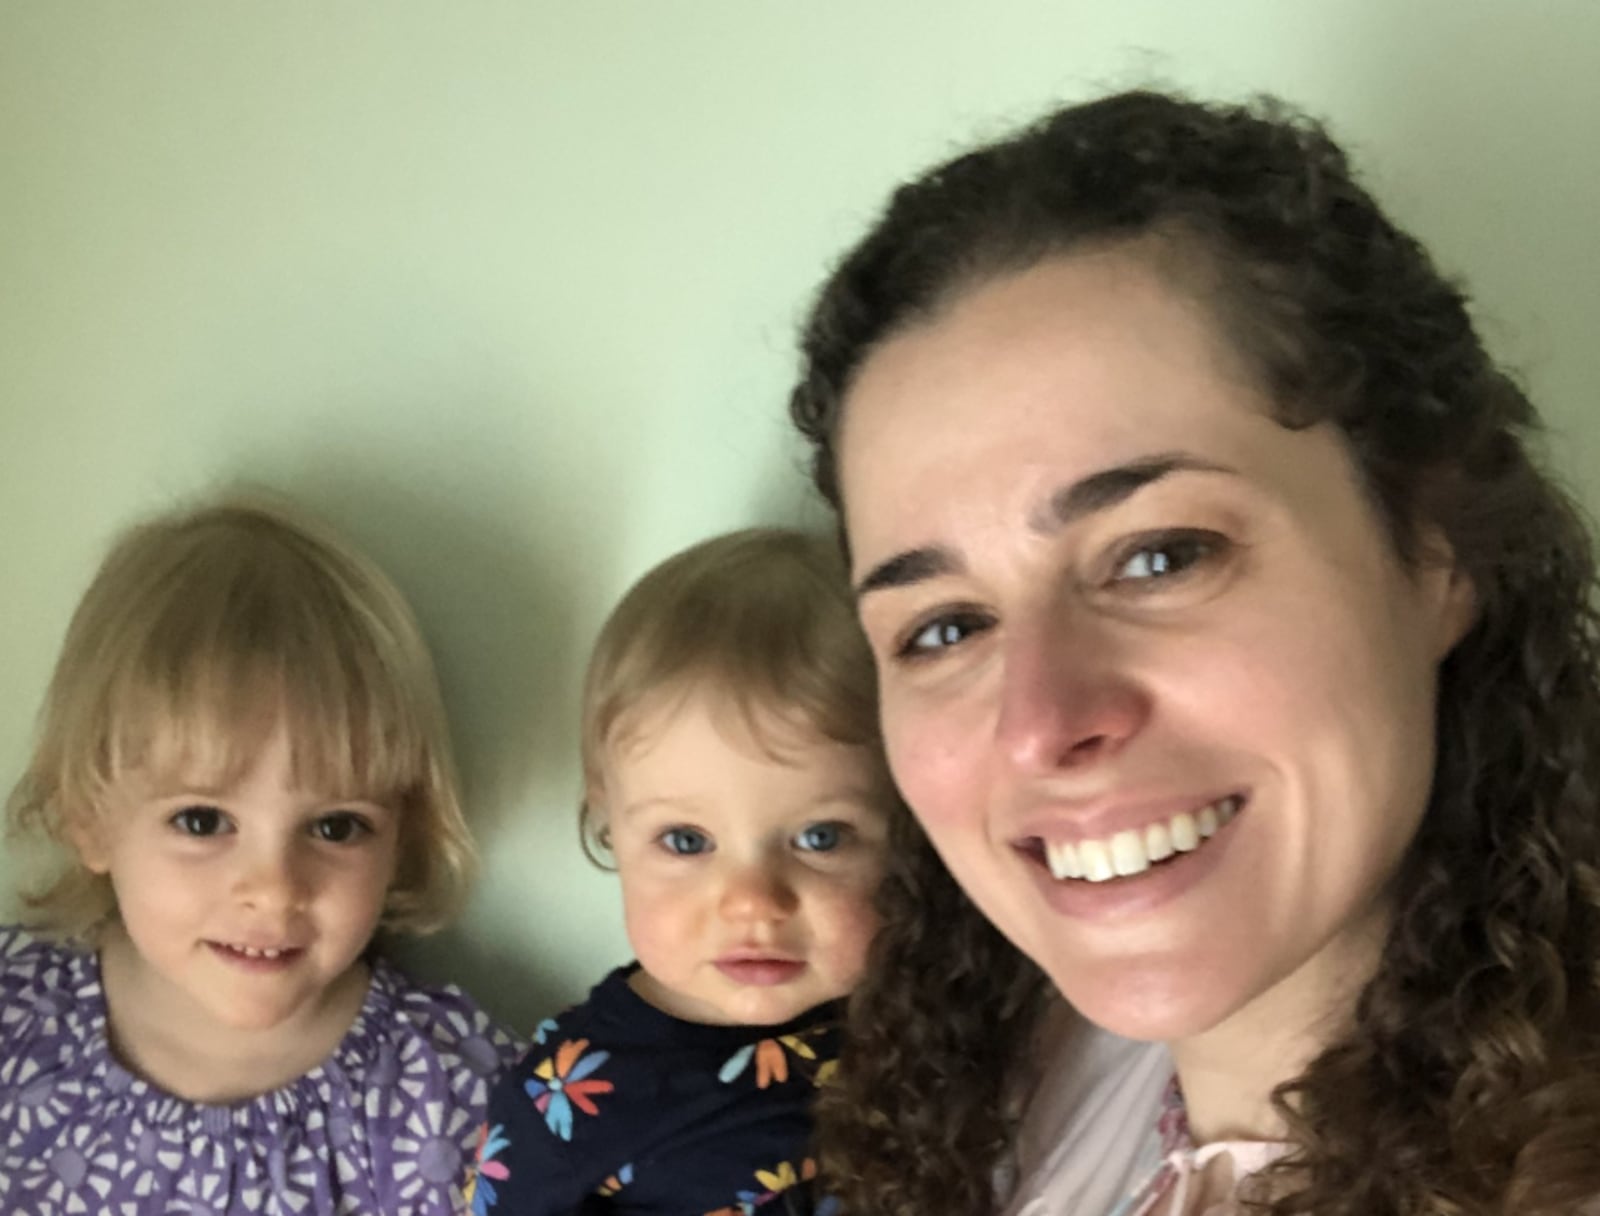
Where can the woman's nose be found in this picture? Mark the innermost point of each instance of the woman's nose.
(1067, 698)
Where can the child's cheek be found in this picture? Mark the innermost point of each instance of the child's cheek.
(856, 923)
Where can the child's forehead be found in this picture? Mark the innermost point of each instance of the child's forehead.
(692, 735)
(738, 719)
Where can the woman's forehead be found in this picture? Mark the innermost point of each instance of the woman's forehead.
(1067, 322)
(1037, 390)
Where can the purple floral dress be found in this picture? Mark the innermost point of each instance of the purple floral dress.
(385, 1125)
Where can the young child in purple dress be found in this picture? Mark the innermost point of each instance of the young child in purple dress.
(733, 775)
(244, 753)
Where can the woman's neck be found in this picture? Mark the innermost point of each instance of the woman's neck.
(1229, 1073)
(157, 1034)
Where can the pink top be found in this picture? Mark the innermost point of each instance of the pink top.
(1104, 1133)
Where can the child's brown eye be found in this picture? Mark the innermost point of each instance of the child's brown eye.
(199, 821)
(341, 828)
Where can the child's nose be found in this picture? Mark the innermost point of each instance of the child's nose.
(271, 880)
(758, 892)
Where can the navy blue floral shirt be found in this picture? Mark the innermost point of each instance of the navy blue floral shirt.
(618, 1107)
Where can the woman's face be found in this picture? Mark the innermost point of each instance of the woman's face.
(1152, 677)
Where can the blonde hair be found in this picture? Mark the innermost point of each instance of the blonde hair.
(203, 627)
(764, 615)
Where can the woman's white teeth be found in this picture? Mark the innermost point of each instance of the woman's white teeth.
(252, 952)
(1127, 854)
(1096, 858)
(1157, 842)
(1185, 834)
(1133, 852)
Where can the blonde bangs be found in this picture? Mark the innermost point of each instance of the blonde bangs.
(198, 713)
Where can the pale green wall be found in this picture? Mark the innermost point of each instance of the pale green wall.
(508, 290)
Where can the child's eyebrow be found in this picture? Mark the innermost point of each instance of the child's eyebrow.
(663, 801)
(168, 788)
(165, 790)
(382, 806)
(853, 797)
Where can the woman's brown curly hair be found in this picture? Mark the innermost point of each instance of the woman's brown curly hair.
(1470, 1081)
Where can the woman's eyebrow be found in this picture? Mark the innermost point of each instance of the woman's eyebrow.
(1109, 487)
(1099, 491)
(905, 569)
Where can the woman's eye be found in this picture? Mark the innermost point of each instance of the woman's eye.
(685, 842)
(200, 821)
(1166, 556)
(942, 633)
(821, 837)
(342, 827)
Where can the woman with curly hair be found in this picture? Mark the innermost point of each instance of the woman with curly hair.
(1238, 663)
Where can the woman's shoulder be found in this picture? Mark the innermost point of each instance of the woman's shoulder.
(1090, 1122)
(1079, 1062)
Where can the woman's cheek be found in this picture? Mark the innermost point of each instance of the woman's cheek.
(932, 761)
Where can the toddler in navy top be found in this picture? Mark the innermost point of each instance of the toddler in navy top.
(733, 775)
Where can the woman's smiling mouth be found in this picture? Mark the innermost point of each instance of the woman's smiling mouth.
(1133, 851)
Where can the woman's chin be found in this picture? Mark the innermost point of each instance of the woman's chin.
(1165, 1003)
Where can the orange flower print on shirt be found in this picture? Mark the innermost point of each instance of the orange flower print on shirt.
(772, 1061)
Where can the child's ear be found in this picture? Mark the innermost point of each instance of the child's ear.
(87, 833)
(596, 814)
(599, 818)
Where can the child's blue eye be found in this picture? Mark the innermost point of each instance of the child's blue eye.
(341, 827)
(821, 837)
(685, 842)
(200, 821)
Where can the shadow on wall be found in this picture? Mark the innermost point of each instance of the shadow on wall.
(494, 602)
(504, 977)
(488, 609)
(1513, 220)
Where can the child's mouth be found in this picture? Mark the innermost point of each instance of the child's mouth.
(257, 958)
(760, 972)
